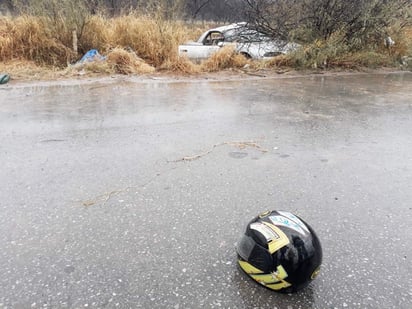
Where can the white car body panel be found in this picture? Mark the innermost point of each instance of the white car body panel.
(194, 50)
(207, 44)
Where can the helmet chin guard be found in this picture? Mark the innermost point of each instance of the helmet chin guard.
(280, 251)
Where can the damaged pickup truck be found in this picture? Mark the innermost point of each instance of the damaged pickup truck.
(248, 42)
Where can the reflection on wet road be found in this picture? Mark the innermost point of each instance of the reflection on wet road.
(133, 194)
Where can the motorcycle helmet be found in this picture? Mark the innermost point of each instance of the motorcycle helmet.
(280, 251)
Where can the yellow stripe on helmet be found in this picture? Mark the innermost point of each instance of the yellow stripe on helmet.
(249, 269)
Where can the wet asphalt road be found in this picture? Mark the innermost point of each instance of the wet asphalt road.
(98, 210)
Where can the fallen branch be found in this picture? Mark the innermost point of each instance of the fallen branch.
(104, 198)
(240, 145)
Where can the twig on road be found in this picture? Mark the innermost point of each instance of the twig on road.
(104, 198)
(240, 145)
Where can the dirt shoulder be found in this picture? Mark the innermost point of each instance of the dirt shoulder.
(28, 77)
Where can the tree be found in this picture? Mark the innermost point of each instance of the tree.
(195, 7)
(360, 22)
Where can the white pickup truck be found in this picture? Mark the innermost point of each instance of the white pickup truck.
(248, 42)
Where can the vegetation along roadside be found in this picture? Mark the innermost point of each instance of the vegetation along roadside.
(46, 39)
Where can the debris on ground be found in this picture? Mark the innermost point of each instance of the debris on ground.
(104, 198)
(4, 78)
(91, 56)
(240, 145)
(117, 61)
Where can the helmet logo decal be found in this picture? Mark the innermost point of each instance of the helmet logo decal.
(265, 230)
(275, 238)
(290, 221)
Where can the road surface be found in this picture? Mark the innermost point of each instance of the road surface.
(133, 194)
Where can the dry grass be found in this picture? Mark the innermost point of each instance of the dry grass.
(29, 70)
(118, 61)
(225, 58)
(136, 44)
(127, 62)
(97, 34)
(181, 65)
(29, 38)
(150, 38)
(155, 41)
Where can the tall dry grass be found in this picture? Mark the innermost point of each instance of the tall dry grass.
(153, 39)
(127, 62)
(136, 43)
(39, 39)
(30, 38)
(225, 58)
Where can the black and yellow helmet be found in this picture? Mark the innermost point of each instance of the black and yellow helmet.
(280, 251)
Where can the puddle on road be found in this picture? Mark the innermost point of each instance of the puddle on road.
(38, 108)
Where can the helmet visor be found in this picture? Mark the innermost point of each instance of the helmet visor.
(255, 254)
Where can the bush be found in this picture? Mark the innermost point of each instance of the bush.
(225, 58)
(360, 23)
